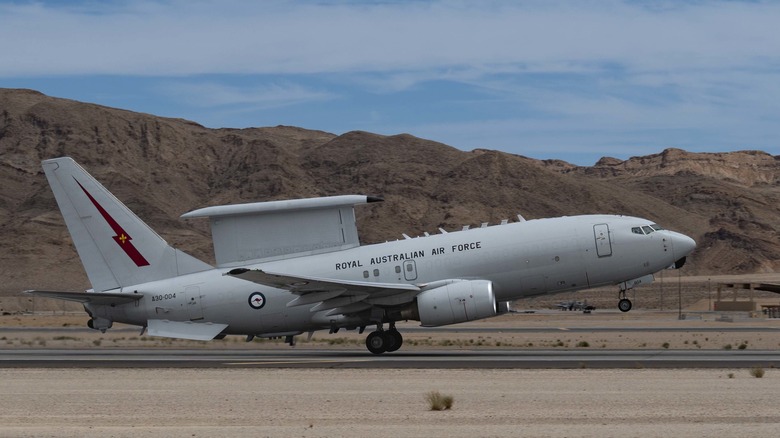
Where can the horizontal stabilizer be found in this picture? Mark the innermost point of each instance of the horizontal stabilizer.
(197, 331)
(98, 298)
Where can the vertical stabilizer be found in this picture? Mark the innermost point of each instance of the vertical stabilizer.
(116, 247)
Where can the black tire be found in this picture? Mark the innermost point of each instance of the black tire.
(376, 342)
(624, 305)
(395, 340)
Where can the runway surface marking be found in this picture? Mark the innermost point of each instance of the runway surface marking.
(293, 362)
(354, 358)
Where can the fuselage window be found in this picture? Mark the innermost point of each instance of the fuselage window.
(376, 272)
(397, 269)
(365, 274)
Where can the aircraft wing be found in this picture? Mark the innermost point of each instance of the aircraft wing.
(330, 293)
(100, 298)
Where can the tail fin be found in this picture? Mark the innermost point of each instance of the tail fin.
(116, 247)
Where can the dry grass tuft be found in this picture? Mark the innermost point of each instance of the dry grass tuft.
(438, 402)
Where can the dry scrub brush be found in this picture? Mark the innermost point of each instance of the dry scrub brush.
(438, 402)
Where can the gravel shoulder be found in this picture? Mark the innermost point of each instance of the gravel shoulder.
(698, 331)
(360, 403)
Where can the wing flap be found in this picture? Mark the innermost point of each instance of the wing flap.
(341, 301)
(349, 308)
(315, 297)
(98, 298)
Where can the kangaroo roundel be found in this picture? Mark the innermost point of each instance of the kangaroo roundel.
(256, 300)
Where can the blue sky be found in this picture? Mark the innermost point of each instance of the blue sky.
(574, 80)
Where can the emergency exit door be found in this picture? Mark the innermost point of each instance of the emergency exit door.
(410, 270)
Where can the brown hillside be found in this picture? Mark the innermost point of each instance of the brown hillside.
(731, 202)
(163, 167)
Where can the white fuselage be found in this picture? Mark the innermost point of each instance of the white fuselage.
(520, 259)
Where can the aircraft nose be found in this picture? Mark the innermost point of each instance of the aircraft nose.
(682, 244)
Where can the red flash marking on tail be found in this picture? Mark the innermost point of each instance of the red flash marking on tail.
(122, 238)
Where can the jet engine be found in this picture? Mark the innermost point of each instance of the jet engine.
(456, 302)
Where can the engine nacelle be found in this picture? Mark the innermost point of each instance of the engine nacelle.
(456, 302)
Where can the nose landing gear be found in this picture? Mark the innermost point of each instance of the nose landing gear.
(624, 304)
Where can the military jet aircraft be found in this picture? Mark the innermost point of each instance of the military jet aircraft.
(284, 268)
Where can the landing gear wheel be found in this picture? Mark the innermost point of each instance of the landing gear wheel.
(395, 340)
(377, 342)
(624, 305)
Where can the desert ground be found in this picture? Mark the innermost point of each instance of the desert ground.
(391, 402)
(387, 403)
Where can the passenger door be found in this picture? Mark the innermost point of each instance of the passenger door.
(603, 240)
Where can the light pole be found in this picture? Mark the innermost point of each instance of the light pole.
(679, 296)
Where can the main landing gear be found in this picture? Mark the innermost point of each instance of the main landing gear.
(624, 304)
(384, 341)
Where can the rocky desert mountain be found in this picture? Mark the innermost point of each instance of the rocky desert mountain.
(162, 168)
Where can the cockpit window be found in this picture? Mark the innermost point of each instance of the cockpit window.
(646, 229)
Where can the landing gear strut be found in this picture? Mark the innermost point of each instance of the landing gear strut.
(384, 341)
(624, 304)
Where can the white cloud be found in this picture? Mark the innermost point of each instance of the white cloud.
(211, 94)
(182, 38)
(544, 76)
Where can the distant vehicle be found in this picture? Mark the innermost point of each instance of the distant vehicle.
(575, 306)
(566, 305)
(289, 267)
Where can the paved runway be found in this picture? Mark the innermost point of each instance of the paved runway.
(416, 329)
(354, 358)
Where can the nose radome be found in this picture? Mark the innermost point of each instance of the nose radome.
(682, 244)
